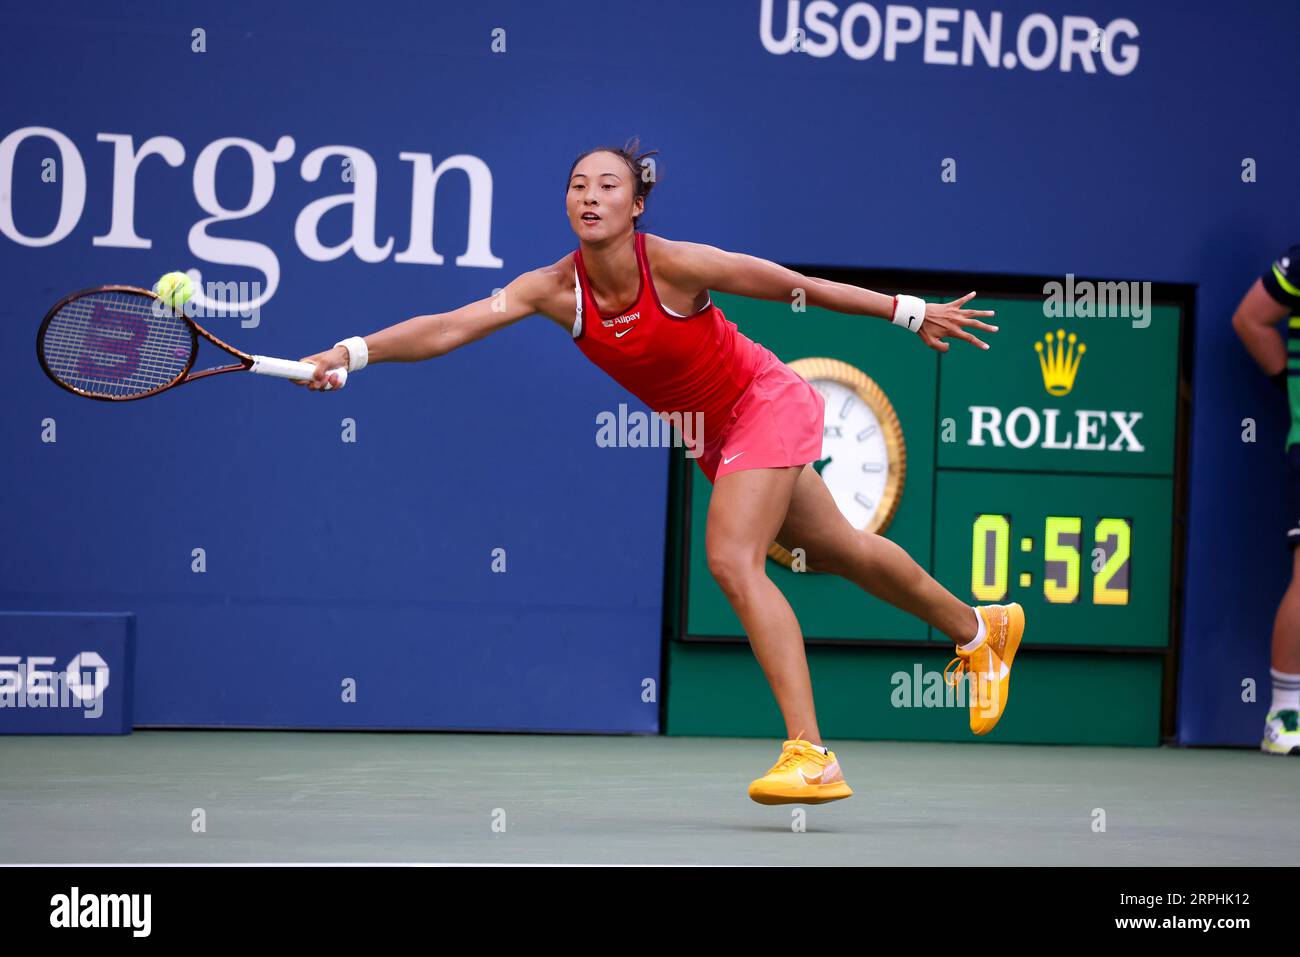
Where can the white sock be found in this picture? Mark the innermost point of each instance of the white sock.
(980, 634)
(1286, 692)
(820, 748)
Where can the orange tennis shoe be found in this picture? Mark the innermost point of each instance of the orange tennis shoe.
(802, 775)
(988, 667)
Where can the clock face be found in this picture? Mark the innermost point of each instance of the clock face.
(855, 460)
(864, 459)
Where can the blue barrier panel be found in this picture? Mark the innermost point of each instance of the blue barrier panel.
(66, 673)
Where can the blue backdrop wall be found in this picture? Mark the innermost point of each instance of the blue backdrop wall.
(372, 560)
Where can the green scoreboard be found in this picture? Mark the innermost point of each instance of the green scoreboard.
(1044, 470)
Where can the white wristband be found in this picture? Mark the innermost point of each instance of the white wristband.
(909, 312)
(358, 354)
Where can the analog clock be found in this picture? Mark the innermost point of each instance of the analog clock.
(864, 459)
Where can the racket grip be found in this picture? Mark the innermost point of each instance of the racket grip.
(288, 369)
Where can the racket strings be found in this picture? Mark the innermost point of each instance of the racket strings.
(114, 344)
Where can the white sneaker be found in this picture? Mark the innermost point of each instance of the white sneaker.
(1282, 733)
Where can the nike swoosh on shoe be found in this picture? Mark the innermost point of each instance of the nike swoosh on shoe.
(826, 774)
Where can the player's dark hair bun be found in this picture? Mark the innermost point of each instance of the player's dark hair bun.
(644, 170)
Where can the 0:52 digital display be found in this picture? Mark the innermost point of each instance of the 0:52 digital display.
(1063, 567)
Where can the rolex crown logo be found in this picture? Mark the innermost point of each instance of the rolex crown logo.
(1059, 361)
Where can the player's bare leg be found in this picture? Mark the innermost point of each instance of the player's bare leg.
(987, 638)
(872, 562)
(1282, 723)
(745, 512)
(1286, 624)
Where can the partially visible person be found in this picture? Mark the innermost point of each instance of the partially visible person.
(1273, 297)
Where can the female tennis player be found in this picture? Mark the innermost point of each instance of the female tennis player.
(638, 306)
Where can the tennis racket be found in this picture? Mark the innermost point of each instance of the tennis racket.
(119, 343)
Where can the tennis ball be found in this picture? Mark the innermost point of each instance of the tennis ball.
(175, 289)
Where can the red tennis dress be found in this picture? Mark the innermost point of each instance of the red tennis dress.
(740, 406)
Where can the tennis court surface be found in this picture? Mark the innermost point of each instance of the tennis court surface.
(271, 796)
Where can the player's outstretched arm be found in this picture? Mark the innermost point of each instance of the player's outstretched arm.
(711, 268)
(426, 337)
